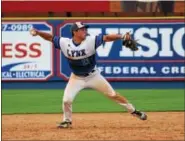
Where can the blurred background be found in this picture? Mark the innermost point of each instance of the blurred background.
(85, 8)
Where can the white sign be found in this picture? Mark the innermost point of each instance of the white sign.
(25, 57)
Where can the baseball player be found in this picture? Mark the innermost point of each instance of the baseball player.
(80, 53)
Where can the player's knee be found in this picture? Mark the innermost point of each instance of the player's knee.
(111, 94)
(67, 100)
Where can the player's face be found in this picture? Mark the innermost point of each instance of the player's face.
(81, 33)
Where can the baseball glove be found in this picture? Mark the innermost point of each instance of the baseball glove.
(130, 43)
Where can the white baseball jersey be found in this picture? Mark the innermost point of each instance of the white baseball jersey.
(81, 57)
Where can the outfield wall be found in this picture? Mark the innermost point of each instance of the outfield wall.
(160, 57)
(116, 85)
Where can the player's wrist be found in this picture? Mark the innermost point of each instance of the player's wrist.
(126, 36)
(37, 32)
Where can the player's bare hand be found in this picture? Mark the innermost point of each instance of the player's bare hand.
(33, 32)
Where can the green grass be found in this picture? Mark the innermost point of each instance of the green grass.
(50, 101)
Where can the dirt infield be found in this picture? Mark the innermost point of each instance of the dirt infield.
(101, 126)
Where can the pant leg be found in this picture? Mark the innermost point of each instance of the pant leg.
(99, 83)
(72, 89)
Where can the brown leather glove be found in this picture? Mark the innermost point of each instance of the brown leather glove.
(129, 43)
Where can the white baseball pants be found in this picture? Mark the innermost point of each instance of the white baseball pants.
(95, 81)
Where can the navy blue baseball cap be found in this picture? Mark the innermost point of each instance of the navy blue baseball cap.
(77, 25)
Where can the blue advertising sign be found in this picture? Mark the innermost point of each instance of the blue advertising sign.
(160, 55)
(25, 57)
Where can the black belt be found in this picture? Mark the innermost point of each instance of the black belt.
(86, 74)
